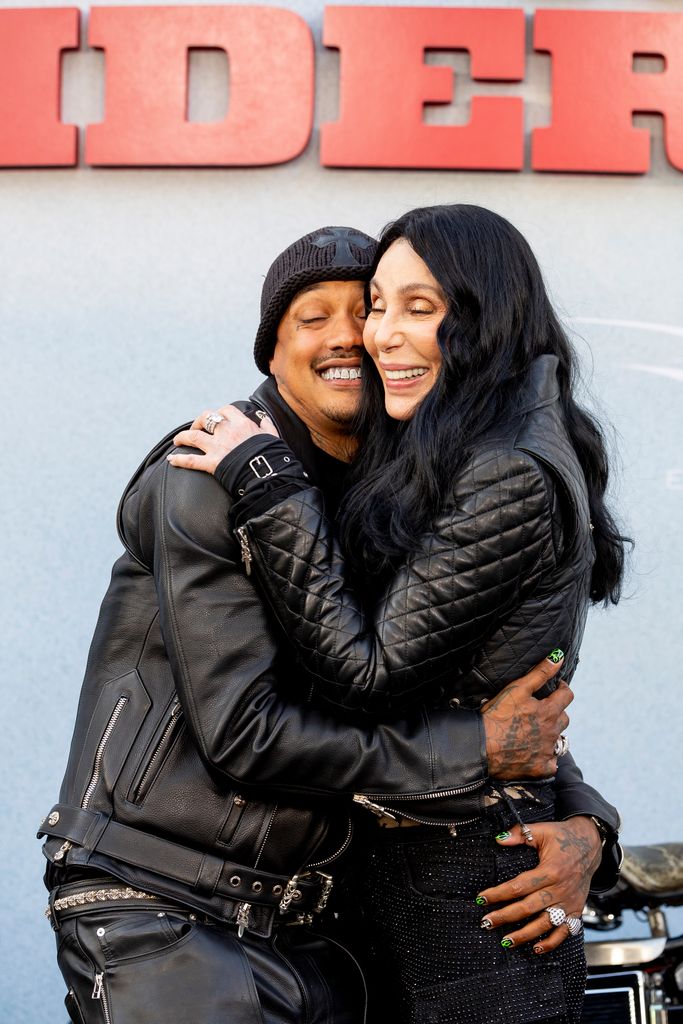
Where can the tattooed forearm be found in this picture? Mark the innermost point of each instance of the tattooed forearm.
(586, 852)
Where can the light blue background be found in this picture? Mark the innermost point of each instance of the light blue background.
(128, 303)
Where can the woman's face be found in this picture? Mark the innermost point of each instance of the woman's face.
(407, 306)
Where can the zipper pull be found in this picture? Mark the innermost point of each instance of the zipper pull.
(242, 918)
(97, 987)
(289, 894)
(377, 809)
(327, 886)
(246, 550)
(63, 849)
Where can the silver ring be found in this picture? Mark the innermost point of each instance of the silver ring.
(575, 925)
(561, 746)
(557, 916)
(212, 421)
(527, 833)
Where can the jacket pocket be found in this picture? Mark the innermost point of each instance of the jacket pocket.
(120, 710)
(232, 820)
(166, 735)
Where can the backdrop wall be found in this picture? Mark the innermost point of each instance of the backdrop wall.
(128, 303)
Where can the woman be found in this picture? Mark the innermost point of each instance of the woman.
(477, 534)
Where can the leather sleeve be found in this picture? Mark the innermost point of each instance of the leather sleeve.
(223, 653)
(574, 797)
(483, 557)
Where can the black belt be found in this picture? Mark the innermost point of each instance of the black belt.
(208, 875)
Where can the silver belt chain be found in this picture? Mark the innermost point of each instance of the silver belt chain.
(80, 899)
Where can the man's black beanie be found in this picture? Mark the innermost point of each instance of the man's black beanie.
(328, 254)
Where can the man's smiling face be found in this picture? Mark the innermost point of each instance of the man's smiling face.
(316, 361)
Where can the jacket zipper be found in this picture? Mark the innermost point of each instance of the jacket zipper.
(97, 768)
(99, 992)
(380, 811)
(460, 791)
(245, 549)
(336, 854)
(163, 740)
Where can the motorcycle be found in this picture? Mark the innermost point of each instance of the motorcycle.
(637, 981)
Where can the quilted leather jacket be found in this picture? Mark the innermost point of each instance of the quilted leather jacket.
(501, 579)
(195, 770)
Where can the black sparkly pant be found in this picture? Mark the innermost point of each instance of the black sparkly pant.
(427, 959)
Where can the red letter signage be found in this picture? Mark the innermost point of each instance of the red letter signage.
(31, 42)
(385, 85)
(596, 91)
(270, 114)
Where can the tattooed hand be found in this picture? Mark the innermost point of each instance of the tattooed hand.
(521, 731)
(569, 852)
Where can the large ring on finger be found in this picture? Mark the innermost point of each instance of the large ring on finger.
(557, 916)
(574, 925)
(561, 746)
(212, 421)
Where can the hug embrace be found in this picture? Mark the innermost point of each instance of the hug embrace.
(320, 750)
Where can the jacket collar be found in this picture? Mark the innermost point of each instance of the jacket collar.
(292, 430)
(541, 387)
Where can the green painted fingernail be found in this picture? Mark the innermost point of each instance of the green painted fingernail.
(507, 943)
(481, 901)
(503, 835)
(556, 656)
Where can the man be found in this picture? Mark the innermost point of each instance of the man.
(201, 808)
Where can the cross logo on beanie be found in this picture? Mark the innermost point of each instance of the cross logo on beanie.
(342, 239)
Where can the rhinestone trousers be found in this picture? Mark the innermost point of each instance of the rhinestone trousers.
(428, 961)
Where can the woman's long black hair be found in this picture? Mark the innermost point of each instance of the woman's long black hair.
(499, 319)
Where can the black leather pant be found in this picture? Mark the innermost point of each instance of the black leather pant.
(157, 963)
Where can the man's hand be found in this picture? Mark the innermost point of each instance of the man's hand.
(569, 853)
(521, 731)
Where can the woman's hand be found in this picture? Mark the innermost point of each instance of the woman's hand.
(233, 428)
(569, 853)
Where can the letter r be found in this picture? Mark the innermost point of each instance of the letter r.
(596, 91)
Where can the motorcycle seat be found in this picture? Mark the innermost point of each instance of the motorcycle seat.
(655, 871)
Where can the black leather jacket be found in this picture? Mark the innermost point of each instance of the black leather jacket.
(192, 773)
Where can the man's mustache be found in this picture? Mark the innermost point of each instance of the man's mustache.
(337, 357)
